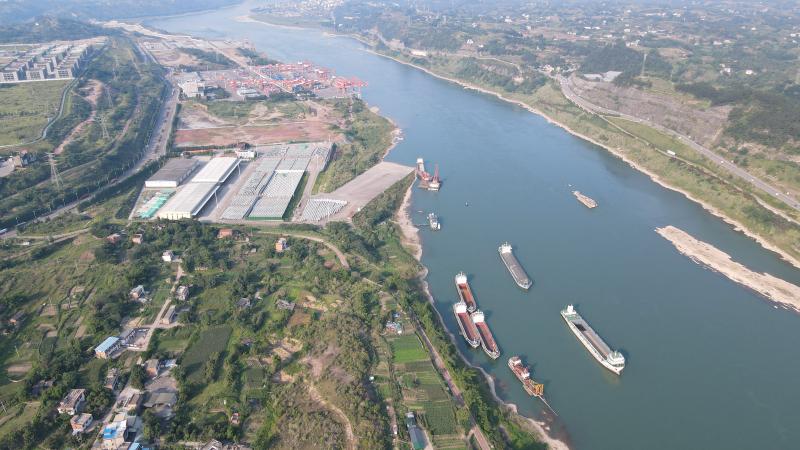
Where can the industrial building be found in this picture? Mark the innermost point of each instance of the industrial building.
(188, 202)
(173, 173)
(191, 198)
(217, 170)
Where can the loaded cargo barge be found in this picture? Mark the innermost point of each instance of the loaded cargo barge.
(465, 292)
(466, 325)
(611, 360)
(487, 340)
(586, 200)
(523, 374)
(514, 267)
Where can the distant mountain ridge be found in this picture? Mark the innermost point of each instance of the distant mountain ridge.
(16, 11)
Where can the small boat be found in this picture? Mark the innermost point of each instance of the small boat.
(433, 221)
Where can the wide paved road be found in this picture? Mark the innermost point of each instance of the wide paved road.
(566, 88)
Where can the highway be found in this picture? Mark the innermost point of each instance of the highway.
(730, 167)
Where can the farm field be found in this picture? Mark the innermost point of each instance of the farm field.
(25, 109)
(210, 341)
(424, 392)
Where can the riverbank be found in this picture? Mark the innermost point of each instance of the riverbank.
(704, 253)
(658, 179)
(411, 241)
(738, 226)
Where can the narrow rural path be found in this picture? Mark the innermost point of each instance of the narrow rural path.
(352, 442)
(339, 254)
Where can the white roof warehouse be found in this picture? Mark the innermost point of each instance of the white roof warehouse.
(190, 200)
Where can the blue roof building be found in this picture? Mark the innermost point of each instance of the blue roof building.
(107, 347)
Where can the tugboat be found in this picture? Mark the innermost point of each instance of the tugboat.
(433, 221)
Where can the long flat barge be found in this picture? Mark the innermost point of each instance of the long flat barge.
(514, 267)
(465, 292)
(523, 374)
(468, 329)
(488, 343)
(585, 199)
(610, 359)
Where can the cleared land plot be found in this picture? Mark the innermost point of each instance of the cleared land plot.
(254, 135)
(365, 187)
(210, 341)
(25, 107)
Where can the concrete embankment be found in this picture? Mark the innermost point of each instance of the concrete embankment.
(701, 252)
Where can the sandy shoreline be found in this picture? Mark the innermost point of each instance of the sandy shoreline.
(771, 287)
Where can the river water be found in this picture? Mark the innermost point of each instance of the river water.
(711, 365)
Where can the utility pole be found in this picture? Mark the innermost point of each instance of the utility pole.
(644, 61)
(54, 171)
(102, 121)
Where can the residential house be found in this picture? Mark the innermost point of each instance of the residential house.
(283, 304)
(168, 256)
(161, 402)
(80, 423)
(151, 367)
(73, 403)
(112, 378)
(243, 303)
(137, 238)
(138, 293)
(17, 318)
(225, 233)
(113, 238)
(131, 403)
(182, 293)
(281, 245)
(169, 316)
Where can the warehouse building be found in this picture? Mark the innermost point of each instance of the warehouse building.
(189, 201)
(217, 170)
(174, 172)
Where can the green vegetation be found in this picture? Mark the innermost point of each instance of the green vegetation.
(768, 118)
(207, 60)
(25, 109)
(407, 349)
(128, 106)
(368, 137)
(209, 342)
(255, 57)
(45, 28)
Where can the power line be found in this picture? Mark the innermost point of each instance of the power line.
(54, 171)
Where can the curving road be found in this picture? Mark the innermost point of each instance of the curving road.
(772, 191)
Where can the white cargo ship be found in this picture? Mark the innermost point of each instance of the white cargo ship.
(610, 359)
